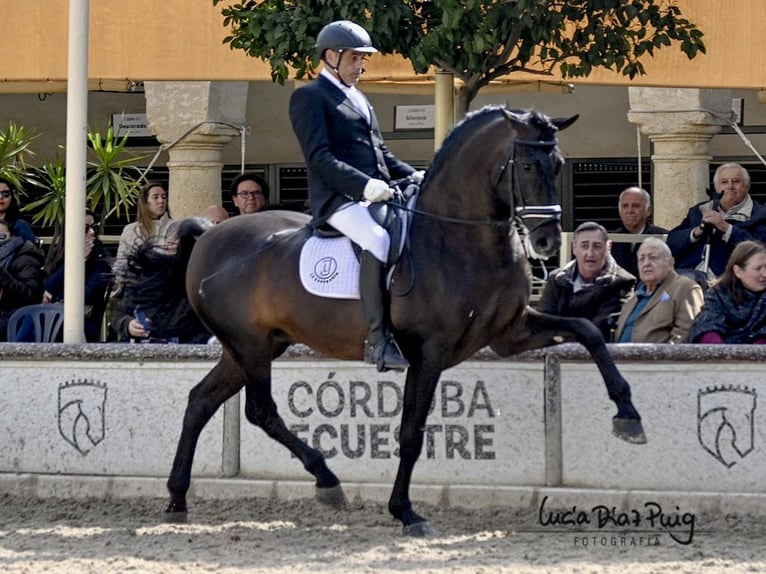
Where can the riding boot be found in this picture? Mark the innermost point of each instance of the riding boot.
(380, 348)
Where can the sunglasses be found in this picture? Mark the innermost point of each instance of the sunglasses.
(91, 227)
(5, 193)
(4, 236)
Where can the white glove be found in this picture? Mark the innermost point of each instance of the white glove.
(417, 176)
(377, 190)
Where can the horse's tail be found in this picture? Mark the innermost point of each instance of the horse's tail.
(187, 234)
(158, 277)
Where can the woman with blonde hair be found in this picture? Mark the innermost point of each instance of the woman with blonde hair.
(735, 306)
(153, 223)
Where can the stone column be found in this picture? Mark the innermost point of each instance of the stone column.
(680, 126)
(194, 120)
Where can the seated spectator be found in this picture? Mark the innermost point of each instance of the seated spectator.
(215, 214)
(723, 222)
(735, 305)
(10, 212)
(153, 306)
(664, 304)
(21, 275)
(635, 205)
(250, 193)
(98, 277)
(153, 223)
(591, 286)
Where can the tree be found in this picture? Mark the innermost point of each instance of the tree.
(476, 40)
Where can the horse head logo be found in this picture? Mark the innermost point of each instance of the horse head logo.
(81, 414)
(725, 422)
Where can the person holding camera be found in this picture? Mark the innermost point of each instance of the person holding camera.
(707, 236)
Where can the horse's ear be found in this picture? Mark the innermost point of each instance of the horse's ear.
(564, 123)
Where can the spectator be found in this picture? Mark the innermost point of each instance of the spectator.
(250, 193)
(635, 205)
(591, 286)
(735, 306)
(10, 212)
(153, 306)
(722, 222)
(98, 276)
(215, 214)
(664, 304)
(21, 275)
(153, 223)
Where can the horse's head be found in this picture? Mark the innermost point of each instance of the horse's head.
(530, 178)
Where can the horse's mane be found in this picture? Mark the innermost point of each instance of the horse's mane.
(479, 118)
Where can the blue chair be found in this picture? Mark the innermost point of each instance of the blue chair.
(36, 323)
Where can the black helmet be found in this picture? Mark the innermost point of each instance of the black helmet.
(344, 35)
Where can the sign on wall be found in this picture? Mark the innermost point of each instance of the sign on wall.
(414, 117)
(131, 125)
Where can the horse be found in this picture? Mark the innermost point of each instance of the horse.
(487, 203)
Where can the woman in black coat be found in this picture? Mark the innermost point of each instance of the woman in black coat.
(735, 306)
(21, 275)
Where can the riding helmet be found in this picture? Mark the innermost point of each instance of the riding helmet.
(344, 35)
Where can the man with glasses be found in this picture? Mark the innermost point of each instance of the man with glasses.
(250, 193)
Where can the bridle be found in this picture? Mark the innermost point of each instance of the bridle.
(521, 211)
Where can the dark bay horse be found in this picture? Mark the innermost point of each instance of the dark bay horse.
(463, 284)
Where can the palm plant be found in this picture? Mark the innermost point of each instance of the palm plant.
(114, 183)
(112, 186)
(15, 154)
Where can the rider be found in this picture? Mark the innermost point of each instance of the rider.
(348, 166)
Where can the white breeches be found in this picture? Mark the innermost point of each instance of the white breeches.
(355, 222)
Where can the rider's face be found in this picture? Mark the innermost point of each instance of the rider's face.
(349, 64)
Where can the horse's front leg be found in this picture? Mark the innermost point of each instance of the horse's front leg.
(223, 382)
(546, 330)
(261, 410)
(418, 394)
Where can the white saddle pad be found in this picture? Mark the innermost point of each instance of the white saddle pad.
(329, 268)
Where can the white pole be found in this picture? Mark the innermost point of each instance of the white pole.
(76, 172)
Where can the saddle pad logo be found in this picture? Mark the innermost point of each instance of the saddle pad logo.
(81, 413)
(325, 270)
(726, 422)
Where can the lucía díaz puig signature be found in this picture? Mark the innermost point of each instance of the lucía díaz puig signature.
(651, 517)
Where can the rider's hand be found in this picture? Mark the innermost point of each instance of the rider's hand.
(417, 176)
(377, 190)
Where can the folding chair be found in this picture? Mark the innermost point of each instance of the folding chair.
(36, 323)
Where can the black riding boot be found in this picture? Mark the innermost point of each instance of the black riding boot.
(380, 348)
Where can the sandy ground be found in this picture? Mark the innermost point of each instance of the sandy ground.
(260, 535)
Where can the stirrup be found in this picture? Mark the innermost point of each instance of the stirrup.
(386, 356)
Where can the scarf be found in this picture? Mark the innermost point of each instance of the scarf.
(8, 251)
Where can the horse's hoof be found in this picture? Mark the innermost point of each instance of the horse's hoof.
(332, 496)
(419, 530)
(175, 517)
(629, 430)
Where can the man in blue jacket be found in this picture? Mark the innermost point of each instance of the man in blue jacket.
(722, 222)
(350, 166)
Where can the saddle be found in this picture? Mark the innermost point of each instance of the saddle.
(329, 261)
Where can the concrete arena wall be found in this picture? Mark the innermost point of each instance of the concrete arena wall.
(538, 419)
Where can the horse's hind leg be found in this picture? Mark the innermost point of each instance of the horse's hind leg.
(223, 382)
(261, 410)
(543, 331)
